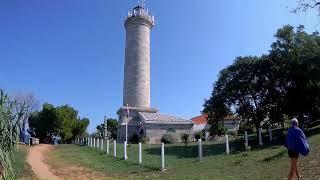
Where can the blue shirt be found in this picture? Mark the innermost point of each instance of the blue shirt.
(296, 141)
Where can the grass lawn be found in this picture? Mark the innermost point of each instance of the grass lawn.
(21, 168)
(270, 162)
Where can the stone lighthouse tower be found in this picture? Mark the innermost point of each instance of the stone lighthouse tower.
(136, 91)
(137, 120)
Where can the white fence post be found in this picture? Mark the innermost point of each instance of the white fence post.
(115, 148)
(125, 150)
(140, 153)
(102, 144)
(107, 146)
(200, 149)
(246, 139)
(162, 156)
(94, 142)
(270, 133)
(227, 145)
(260, 137)
(98, 143)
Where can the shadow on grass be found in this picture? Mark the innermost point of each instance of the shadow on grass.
(148, 168)
(191, 151)
(276, 156)
(236, 146)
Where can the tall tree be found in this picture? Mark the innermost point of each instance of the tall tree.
(71, 126)
(45, 123)
(284, 82)
(297, 55)
(243, 88)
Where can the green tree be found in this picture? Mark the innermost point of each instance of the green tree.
(111, 126)
(45, 123)
(62, 121)
(284, 82)
(243, 87)
(71, 126)
(297, 58)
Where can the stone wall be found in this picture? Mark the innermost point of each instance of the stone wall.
(155, 131)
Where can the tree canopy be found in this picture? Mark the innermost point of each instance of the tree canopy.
(60, 121)
(286, 81)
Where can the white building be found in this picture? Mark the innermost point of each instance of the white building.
(230, 122)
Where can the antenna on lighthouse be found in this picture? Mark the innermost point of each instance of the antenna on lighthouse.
(142, 3)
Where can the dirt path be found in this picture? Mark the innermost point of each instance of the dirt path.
(36, 160)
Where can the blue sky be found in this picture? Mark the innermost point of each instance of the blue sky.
(72, 51)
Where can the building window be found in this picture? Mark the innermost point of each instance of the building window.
(171, 130)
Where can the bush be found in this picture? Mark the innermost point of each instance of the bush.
(168, 139)
(185, 138)
(217, 129)
(197, 135)
(134, 139)
(245, 127)
(144, 139)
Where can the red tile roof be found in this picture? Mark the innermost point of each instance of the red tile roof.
(202, 119)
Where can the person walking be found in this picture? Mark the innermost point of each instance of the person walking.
(296, 143)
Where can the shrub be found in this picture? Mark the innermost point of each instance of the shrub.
(144, 139)
(167, 139)
(217, 129)
(185, 138)
(198, 135)
(134, 139)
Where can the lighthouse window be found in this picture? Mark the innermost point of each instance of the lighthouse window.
(171, 130)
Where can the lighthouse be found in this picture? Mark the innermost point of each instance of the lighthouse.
(137, 120)
(136, 89)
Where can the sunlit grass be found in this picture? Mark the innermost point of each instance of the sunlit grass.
(270, 162)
